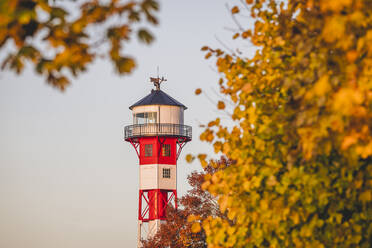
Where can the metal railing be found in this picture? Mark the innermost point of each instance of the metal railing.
(157, 129)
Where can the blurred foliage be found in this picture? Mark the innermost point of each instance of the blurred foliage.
(303, 138)
(58, 46)
(182, 227)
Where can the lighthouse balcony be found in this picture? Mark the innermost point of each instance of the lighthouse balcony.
(157, 129)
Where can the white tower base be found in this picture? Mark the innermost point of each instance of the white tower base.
(154, 227)
(139, 234)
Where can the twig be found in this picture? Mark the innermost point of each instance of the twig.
(245, 5)
(231, 29)
(224, 45)
(234, 19)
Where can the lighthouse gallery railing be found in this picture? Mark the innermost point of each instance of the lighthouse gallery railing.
(157, 129)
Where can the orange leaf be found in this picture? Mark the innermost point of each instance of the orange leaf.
(198, 91)
(351, 56)
(235, 10)
(348, 141)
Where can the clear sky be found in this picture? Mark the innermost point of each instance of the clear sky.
(67, 178)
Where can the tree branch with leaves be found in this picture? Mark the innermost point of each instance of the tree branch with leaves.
(43, 33)
(303, 139)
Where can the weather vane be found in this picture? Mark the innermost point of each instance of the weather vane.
(157, 81)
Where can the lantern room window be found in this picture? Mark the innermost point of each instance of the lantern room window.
(145, 118)
(166, 173)
(165, 150)
(148, 150)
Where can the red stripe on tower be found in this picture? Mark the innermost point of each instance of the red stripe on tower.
(158, 135)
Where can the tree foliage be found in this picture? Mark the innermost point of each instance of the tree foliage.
(182, 227)
(60, 46)
(303, 138)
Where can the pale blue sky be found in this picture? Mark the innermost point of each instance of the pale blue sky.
(67, 178)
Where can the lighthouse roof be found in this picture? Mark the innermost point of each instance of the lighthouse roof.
(158, 97)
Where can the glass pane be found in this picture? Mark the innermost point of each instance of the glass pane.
(151, 117)
(140, 118)
(148, 150)
(165, 150)
(143, 118)
(166, 173)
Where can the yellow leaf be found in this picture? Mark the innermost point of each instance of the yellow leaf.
(189, 158)
(348, 141)
(271, 181)
(345, 99)
(192, 218)
(202, 160)
(263, 205)
(195, 228)
(77, 27)
(25, 17)
(322, 86)
(205, 185)
(216, 178)
(223, 203)
(334, 28)
(247, 185)
(334, 5)
(305, 231)
(247, 88)
(226, 148)
(221, 105)
(365, 151)
(295, 218)
(351, 56)
(217, 146)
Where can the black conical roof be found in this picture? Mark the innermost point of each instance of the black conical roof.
(158, 97)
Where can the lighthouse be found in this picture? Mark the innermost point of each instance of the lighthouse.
(158, 135)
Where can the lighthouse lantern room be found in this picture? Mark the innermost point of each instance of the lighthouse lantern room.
(158, 135)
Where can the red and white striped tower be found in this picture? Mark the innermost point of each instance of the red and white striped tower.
(158, 135)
